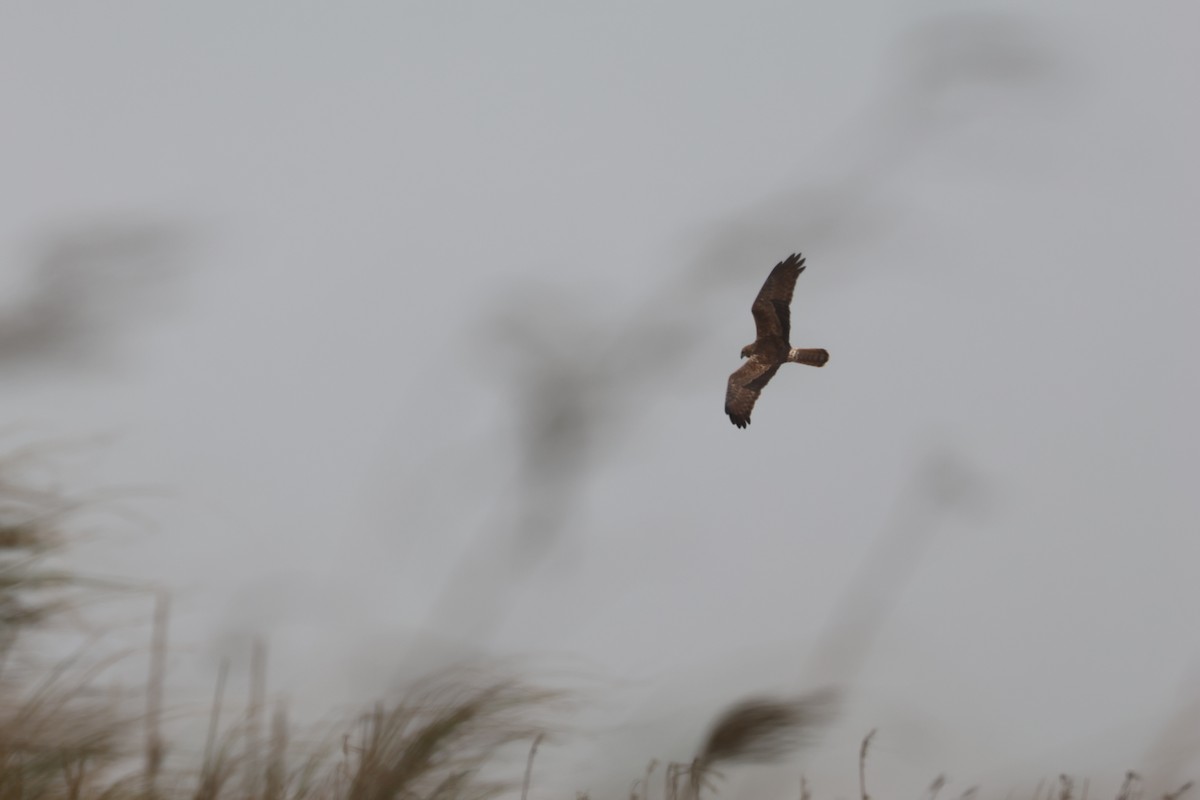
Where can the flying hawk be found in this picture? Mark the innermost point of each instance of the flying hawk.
(771, 350)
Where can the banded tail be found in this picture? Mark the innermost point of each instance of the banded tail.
(815, 357)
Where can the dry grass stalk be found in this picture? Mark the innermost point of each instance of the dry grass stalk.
(671, 778)
(221, 766)
(537, 740)
(277, 758)
(938, 784)
(254, 713)
(643, 782)
(155, 749)
(1178, 793)
(1131, 789)
(214, 717)
(862, 764)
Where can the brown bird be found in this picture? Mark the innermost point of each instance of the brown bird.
(771, 350)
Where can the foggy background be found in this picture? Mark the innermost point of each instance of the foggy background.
(405, 329)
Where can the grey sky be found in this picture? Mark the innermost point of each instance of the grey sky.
(377, 218)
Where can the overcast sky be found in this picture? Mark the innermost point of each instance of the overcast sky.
(383, 301)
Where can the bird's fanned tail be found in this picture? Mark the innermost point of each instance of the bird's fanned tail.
(814, 357)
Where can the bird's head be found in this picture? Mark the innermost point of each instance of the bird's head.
(748, 351)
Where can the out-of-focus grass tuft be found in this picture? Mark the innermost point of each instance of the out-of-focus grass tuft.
(57, 736)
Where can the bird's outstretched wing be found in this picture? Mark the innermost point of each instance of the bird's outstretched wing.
(772, 316)
(745, 385)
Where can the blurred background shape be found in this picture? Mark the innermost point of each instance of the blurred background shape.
(84, 290)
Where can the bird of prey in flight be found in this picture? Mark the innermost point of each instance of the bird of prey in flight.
(771, 349)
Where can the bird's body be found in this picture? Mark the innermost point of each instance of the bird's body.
(771, 349)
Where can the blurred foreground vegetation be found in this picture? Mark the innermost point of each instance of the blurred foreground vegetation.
(465, 734)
